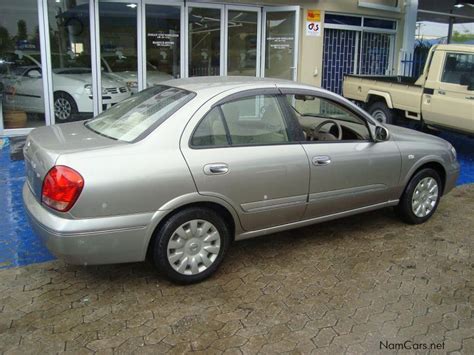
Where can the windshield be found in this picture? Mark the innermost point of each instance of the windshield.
(16, 64)
(129, 119)
(120, 63)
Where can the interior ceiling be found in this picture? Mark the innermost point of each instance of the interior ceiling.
(445, 6)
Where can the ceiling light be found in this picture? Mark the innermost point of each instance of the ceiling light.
(132, 6)
(458, 5)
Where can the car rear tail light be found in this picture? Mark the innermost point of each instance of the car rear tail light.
(61, 188)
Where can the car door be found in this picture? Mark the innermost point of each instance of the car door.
(241, 150)
(349, 173)
(448, 99)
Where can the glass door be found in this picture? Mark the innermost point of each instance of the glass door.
(243, 41)
(281, 36)
(205, 39)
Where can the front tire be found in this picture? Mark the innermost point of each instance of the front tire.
(421, 197)
(64, 107)
(380, 111)
(191, 245)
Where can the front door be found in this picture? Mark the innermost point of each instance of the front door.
(450, 103)
(348, 170)
(241, 151)
(280, 42)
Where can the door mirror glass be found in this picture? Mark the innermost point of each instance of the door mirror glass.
(381, 134)
(34, 73)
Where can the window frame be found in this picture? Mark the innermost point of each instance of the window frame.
(291, 129)
(321, 95)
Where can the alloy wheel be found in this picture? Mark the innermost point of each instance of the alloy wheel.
(62, 108)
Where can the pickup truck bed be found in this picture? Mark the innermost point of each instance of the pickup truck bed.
(404, 94)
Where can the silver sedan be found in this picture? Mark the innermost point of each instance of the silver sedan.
(180, 170)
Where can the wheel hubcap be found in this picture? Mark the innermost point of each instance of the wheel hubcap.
(379, 115)
(425, 197)
(62, 109)
(193, 247)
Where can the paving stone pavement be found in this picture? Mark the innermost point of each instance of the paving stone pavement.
(340, 287)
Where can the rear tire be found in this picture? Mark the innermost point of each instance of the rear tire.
(379, 111)
(190, 245)
(421, 197)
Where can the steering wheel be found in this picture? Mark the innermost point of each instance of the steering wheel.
(317, 128)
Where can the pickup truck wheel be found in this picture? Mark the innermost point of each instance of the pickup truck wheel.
(191, 245)
(421, 197)
(381, 112)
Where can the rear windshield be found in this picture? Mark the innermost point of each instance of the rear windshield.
(133, 117)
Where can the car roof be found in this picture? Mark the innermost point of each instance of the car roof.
(219, 84)
(456, 47)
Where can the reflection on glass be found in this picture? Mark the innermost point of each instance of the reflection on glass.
(463, 33)
(118, 46)
(280, 44)
(204, 41)
(242, 32)
(21, 82)
(162, 43)
(70, 59)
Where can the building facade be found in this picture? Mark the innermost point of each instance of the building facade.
(67, 60)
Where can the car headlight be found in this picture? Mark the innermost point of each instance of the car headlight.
(132, 84)
(88, 89)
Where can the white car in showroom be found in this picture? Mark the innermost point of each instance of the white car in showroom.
(72, 84)
(124, 67)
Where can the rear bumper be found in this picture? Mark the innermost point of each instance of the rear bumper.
(106, 240)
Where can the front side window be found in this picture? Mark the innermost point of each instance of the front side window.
(321, 119)
(129, 119)
(458, 69)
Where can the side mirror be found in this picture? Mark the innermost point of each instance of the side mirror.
(34, 73)
(381, 134)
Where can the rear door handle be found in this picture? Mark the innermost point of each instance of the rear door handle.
(441, 92)
(321, 160)
(216, 169)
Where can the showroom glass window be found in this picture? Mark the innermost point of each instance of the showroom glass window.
(204, 41)
(118, 47)
(21, 79)
(242, 43)
(69, 36)
(163, 37)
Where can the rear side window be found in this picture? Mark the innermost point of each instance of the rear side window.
(210, 131)
(133, 117)
(458, 69)
(254, 120)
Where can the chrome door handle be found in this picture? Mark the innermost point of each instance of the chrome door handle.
(216, 169)
(441, 92)
(470, 97)
(321, 160)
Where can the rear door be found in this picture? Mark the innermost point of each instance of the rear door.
(242, 151)
(447, 100)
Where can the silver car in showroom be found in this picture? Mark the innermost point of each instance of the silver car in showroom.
(180, 170)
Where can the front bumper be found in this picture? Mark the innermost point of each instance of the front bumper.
(452, 176)
(105, 240)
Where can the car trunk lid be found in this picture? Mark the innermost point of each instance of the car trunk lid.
(44, 146)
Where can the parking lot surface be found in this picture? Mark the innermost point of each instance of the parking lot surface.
(364, 284)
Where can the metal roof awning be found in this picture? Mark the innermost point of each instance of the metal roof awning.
(457, 11)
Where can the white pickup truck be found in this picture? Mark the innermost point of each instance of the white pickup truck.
(443, 96)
